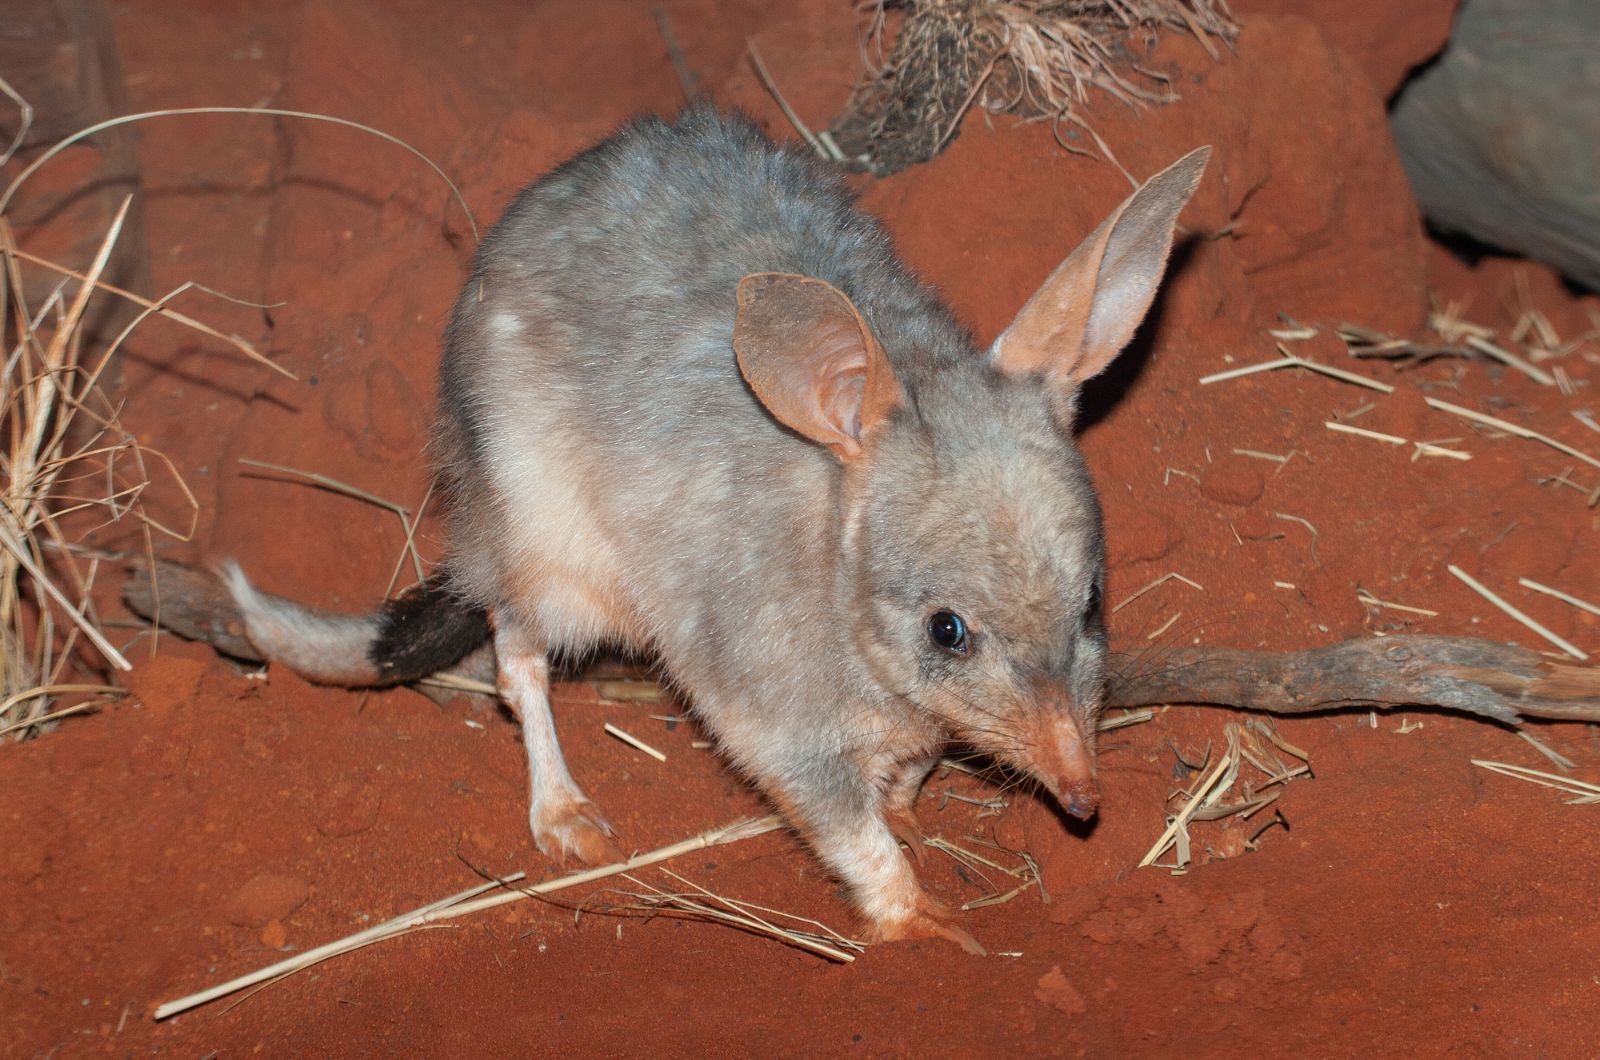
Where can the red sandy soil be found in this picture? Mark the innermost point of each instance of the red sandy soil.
(214, 822)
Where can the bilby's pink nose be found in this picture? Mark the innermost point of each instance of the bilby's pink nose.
(1083, 803)
(1064, 763)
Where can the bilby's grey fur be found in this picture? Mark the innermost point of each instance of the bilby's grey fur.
(613, 478)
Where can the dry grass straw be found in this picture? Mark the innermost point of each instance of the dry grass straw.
(1564, 597)
(634, 742)
(698, 903)
(1561, 761)
(1516, 613)
(1459, 338)
(1026, 869)
(1369, 600)
(1419, 448)
(467, 903)
(1253, 745)
(1535, 340)
(1111, 722)
(1037, 59)
(408, 520)
(68, 453)
(1584, 793)
(67, 457)
(812, 140)
(1289, 360)
(457, 683)
(1164, 579)
(271, 112)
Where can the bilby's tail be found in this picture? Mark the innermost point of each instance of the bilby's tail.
(422, 631)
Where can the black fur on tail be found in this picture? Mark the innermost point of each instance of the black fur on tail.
(424, 630)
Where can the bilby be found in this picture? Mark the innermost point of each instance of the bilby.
(690, 402)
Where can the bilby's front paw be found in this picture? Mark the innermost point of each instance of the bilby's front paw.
(573, 829)
(929, 921)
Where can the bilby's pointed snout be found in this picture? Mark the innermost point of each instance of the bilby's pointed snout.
(1063, 760)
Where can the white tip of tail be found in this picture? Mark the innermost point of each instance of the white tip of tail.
(318, 645)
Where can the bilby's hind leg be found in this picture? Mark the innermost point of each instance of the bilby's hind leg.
(564, 822)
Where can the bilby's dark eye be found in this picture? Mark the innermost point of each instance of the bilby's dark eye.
(948, 632)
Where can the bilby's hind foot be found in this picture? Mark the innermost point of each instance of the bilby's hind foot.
(929, 920)
(565, 824)
(573, 829)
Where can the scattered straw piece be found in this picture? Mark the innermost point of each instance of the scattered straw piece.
(999, 899)
(1208, 788)
(1132, 717)
(1299, 333)
(24, 120)
(458, 683)
(52, 690)
(1586, 793)
(1529, 583)
(771, 86)
(634, 741)
(1512, 428)
(387, 929)
(162, 308)
(1506, 357)
(1377, 436)
(698, 904)
(40, 578)
(1564, 382)
(630, 691)
(465, 903)
(1169, 576)
(1288, 360)
(991, 807)
(688, 81)
(407, 521)
(1478, 587)
(1257, 454)
(1153, 634)
(1250, 369)
(1372, 601)
(127, 119)
(1561, 760)
(1307, 524)
(1421, 449)
(1257, 744)
(1027, 871)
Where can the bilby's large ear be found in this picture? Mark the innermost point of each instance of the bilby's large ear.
(812, 361)
(1089, 308)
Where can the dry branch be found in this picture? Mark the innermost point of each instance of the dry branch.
(1457, 674)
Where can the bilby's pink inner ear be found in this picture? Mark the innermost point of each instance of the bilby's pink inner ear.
(812, 361)
(1089, 308)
